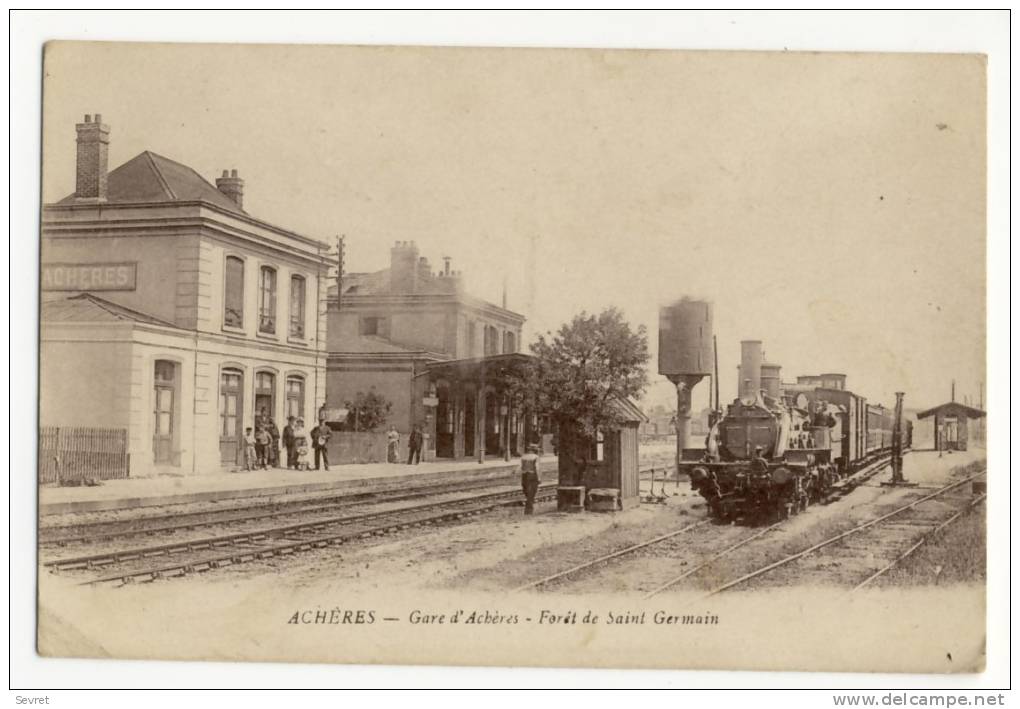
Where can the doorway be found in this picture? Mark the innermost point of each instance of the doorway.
(265, 396)
(493, 427)
(469, 411)
(444, 423)
(231, 406)
(164, 405)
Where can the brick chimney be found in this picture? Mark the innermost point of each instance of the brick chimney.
(232, 186)
(404, 268)
(93, 154)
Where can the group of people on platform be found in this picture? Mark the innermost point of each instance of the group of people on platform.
(262, 446)
(415, 443)
(262, 450)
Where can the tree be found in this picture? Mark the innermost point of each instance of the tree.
(368, 411)
(577, 373)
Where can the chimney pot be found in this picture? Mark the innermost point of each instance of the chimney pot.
(91, 160)
(232, 186)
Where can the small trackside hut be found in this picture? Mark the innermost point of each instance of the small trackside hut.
(600, 473)
(952, 424)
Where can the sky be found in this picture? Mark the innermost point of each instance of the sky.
(830, 205)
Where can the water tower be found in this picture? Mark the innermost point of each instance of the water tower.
(685, 356)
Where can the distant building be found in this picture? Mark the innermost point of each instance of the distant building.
(661, 422)
(440, 355)
(170, 312)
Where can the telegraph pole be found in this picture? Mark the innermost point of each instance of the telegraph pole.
(341, 246)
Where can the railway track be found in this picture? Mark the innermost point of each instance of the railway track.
(917, 545)
(221, 551)
(896, 528)
(169, 524)
(703, 547)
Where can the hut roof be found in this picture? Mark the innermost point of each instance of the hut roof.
(952, 408)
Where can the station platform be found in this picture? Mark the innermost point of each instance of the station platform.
(132, 493)
(928, 468)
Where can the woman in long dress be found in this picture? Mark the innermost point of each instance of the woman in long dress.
(393, 440)
(301, 444)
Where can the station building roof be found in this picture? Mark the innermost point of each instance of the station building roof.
(149, 177)
(89, 308)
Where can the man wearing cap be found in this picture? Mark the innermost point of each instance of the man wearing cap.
(758, 463)
(320, 438)
(529, 477)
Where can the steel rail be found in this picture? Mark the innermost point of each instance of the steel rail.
(116, 556)
(296, 508)
(843, 535)
(292, 546)
(279, 509)
(868, 469)
(607, 557)
(674, 581)
(921, 542)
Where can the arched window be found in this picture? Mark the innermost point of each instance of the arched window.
(233, 292)
(267, 300)
(297, 306)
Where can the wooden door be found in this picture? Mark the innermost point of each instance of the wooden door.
(163, 412)
(231, 419)
(469, 424)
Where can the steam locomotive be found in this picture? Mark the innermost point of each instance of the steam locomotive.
(778, 446)
(775, 450)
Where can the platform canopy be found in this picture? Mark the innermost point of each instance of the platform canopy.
(952, 408)
(493, 366)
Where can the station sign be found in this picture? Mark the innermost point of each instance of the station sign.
(89, 276)
(430, 401)
(334, 415)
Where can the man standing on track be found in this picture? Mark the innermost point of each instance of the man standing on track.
(529, 477)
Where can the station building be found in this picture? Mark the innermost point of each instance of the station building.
(439, 355)
(170, 312)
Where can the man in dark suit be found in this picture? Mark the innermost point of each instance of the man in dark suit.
(320, 439)
(414, 443)
(288, 443)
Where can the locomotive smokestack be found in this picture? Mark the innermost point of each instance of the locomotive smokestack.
(771, 378)
(750, 367)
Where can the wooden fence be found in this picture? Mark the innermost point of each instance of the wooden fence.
(74, 454)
